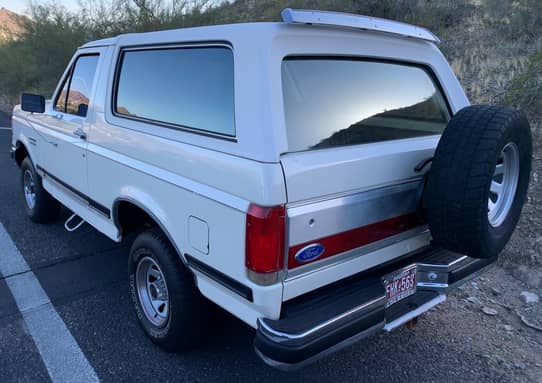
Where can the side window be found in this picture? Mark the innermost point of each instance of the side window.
(78, 87)
(185, 88)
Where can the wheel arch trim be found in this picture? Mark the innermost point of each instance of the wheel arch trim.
(153, 215)
(23, 142)
(189, 262)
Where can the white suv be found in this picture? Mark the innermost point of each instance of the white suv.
(297, 174)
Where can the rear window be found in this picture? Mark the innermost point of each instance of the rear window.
(186, 88)
(332, 102)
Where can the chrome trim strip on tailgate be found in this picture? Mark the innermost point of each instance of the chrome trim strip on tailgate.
(324, 218)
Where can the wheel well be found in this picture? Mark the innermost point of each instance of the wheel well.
(131, 218)
(20, 153)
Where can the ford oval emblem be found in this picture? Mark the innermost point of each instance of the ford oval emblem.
(309, 253)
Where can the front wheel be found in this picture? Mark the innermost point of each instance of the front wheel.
(40, 206)
(169, 307)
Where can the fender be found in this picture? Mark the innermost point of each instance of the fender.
(142, 200)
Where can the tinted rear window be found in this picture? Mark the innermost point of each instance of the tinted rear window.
(180, 87)
(333, 102)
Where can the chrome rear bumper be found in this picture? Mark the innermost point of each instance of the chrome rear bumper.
(332, 317)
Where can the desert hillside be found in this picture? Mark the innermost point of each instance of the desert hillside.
(10, 24)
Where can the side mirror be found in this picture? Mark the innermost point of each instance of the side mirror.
(34, 103)
(82, 110)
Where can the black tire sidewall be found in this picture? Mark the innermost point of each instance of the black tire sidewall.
(155, 332)
(458, 187)
(46, 208)
(188, 310)
(28, 166)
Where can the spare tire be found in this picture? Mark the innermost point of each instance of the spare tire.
(478, 180)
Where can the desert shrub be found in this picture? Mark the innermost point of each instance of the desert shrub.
(525, 90)
(517, 18)
(436, 15)
(35, 61)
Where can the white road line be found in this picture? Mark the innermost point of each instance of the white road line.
(64, 360)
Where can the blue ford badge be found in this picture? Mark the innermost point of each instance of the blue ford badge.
(309, 253)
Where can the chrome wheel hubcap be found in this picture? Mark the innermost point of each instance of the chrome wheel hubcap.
(29, 188)
(152, 291)
(504, 183)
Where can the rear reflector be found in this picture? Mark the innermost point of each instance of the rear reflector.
(351, 239)
(265, 238)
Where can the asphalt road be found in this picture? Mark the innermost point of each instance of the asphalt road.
(4, 119)
(84, 274)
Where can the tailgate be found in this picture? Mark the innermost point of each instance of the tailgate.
(357, 130)
(352, 199)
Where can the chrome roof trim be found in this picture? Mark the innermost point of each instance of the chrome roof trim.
(347, 20)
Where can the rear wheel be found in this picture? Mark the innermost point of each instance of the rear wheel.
(168, 305)
(478, 180)
(40, 206)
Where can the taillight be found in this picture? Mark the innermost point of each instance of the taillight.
(265, 239)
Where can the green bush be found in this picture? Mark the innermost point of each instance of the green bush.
(35, 61)
(525, 90)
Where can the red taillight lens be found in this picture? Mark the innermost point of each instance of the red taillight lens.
(265, 233)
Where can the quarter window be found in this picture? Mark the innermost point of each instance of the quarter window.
(182, 88)
(75, 95)
(60, 103)
(332, 102)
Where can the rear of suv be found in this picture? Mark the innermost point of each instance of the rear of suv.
(320, 178)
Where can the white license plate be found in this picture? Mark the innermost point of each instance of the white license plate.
(399, 285)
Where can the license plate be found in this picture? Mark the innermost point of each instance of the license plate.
(399, 285)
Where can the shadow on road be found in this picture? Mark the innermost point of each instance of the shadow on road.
(5, 119)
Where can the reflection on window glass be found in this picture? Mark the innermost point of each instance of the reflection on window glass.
(187, 87)
(81, 85)
(339, 102)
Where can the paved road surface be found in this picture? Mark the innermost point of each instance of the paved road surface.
(84, 275)
(5, 120)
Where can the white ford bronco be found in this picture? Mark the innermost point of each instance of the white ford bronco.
(320, 178)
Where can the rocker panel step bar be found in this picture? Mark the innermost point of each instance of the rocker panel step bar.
(329, 318)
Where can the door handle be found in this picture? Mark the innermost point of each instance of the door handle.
(58, 116)
(80, 133)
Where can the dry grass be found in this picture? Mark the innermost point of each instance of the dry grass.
(488, 63)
